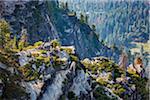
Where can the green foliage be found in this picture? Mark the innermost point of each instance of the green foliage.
(101, 81)
(74, 58)
(7, 57)
(44, 52)
(97, 35)
(117, 88)
(70, 51)
(21, 45)
(37, 44)
(58, 62)
(102, 65)
(14, 46)
(40, 60)
(82, 19)
(4, 34)
(141, 86)
(23, 42)
(10, 86)
(55, 43)
(117, 73)
(93, 27)
(103, 42)
(28, 73)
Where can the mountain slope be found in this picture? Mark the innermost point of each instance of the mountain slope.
(125, 20)
(46, 21)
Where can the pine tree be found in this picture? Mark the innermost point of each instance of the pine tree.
(82, 18)
(93, 27)
(66, 5)
(23, 42)
(102, 42)
(4, 34)
(14, 45)
(86, 19)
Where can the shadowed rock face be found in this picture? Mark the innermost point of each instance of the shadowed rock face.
(45, 21)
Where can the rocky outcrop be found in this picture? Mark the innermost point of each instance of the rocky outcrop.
(80, 83)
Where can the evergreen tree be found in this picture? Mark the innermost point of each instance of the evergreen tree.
(14, 45)
(66, 5)
(102, 42)
(93, 27)
(82, 18)
(86, 19)
(23, 42)
(4, 34)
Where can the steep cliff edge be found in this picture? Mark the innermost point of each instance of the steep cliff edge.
(51, 71)
(44, 20)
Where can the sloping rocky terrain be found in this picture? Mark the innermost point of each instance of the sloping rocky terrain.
(51, 71)
(46, 21)
(47, 53)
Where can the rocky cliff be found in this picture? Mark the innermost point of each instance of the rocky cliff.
(44, 57)
(45, 21)
(48, 71)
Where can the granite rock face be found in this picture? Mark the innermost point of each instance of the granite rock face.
(45, 21)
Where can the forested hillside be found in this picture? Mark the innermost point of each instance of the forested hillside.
(127, 21)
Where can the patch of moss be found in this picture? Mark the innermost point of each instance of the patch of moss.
(74, 58)
(37, 44)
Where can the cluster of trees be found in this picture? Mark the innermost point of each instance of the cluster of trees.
(83, 19)
(8, 42)
(64, 5)
(115, 19)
